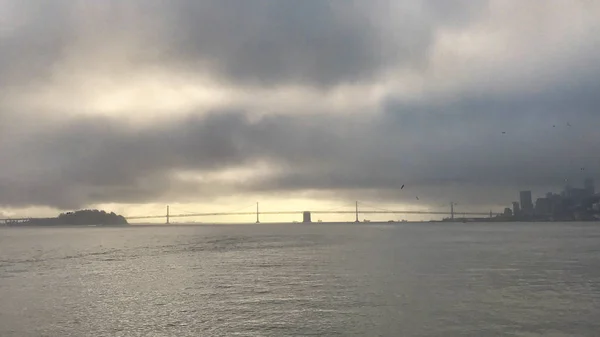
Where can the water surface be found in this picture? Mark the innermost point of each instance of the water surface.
(302, 280)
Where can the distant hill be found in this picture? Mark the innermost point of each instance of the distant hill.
(82, 218)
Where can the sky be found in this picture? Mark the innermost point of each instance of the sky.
(213, 105)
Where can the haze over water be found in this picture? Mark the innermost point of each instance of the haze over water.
(302, 280)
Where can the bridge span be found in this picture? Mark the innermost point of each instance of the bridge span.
(304, 214)
(171, 216)
(307, 214)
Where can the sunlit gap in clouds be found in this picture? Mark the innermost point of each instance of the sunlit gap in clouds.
(234, 175)
(139, 98)
(147, 98)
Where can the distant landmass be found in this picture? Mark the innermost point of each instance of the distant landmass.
(81, 218)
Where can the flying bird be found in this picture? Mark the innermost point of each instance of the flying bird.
(402, 187)
(503, 132)
(417, 198)
(568, 124)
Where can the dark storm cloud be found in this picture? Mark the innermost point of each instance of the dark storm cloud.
(258, 42)
(33, 40)
(93, 160)
(323, 43)
(98, 160)
(442, 151)
(300, 42)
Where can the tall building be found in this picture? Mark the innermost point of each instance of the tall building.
(589, 187)
(566, 193)
(543, 206)
(516, 208)
(526, 201)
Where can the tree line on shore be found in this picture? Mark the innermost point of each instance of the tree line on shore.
(81, 218)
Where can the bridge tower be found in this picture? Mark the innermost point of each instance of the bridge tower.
(452, 210)
(167, 214)
(257, 214)
(356, 212)
(306, 217)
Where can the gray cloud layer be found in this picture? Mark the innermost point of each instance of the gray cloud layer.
(266, 42)
(96, 160)
(444, 145)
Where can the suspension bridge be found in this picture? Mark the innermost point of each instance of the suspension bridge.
(359, 210)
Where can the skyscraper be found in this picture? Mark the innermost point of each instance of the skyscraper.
(543, 206)
(516, 208)
(566, 193)
(526, 201)
(589, 187)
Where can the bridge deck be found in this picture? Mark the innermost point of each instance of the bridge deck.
(353, 212)
(300, 212)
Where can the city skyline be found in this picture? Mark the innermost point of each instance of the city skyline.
(572, 203)
(129, 106)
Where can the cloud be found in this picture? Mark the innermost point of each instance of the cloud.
(96, 160)
(32, 38)
(269, 42)
(338, 99)
(261, 42)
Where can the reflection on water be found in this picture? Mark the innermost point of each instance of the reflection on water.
(302, 280)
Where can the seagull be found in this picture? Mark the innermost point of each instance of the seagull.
(568, 124)
(417, 198)
(402, 187)
(503, 132)
(553, 126)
